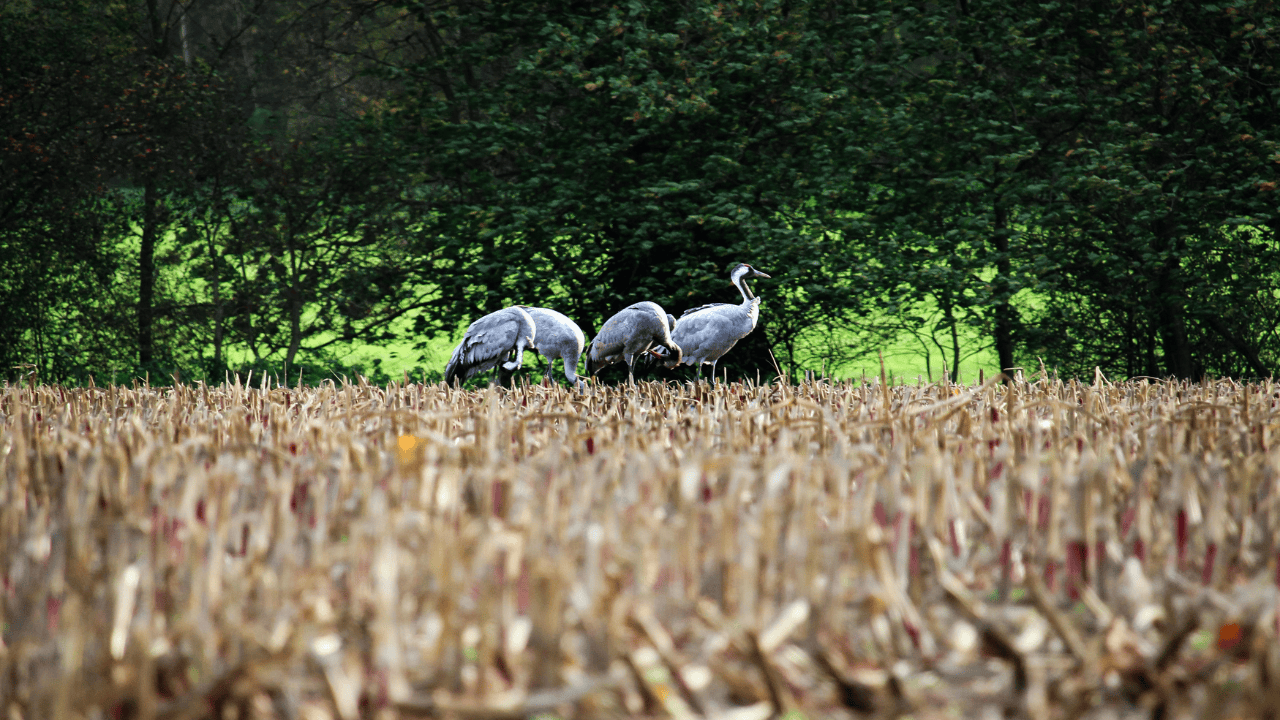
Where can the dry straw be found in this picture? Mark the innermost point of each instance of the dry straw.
(1040, 549)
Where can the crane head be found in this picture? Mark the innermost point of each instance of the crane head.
(744, 271)
(741, 274)
(662, 356)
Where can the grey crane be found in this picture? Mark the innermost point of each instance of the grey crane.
(630, 333)
(707, 332)
(558, 337)
(488, 341)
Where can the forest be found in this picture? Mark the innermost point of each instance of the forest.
(195, 187)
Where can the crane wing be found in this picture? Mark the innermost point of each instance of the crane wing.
(486, 342)
(700, 308)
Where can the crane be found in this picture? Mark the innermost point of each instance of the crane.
(629, 333)
(488, 341)
(558, 337)
(707, 332)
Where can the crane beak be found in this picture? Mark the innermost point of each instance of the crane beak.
(757, 273)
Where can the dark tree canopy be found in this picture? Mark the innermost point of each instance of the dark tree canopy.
(593, 156)
(210, 185)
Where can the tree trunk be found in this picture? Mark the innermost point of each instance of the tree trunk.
(295, 331)
(955, 353)
(186, 38)
(1149, 347)
(146, 255)
(147, 274)
(1003, 326)
(948, 314)
(1169, 312)
(216, 288)
(1173, 336)
(159, 36)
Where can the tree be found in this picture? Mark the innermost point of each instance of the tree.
(587, 157)
(317, 251)
(97, 119)
(1082, 157)
(1174, 176)
(1092, 183)
(61, 115)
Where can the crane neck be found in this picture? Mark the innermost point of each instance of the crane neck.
(743, 288)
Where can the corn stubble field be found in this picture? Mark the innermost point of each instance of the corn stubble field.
(1040, 549)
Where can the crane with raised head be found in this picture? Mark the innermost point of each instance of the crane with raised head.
(558, 337)
(707, 332)
(631, 333)
(488, 342)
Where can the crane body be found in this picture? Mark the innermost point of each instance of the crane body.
(558, 338)
(631, 332)
(707, 332)
(488, 342)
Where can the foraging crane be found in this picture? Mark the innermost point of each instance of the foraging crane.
(707, 332)
(558, 337)
(488, 341)
(629, 333)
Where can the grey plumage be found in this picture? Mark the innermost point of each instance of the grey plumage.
(558, 337)
(707, 332)
(487, 343)
(628, 334)
(658, 353)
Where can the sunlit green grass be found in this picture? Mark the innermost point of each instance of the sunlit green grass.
(906, 359)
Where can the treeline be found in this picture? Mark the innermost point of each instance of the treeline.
(200, 185)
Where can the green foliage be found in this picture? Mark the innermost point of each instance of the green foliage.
(587, 157)
(1186, 154)
(317, 252)
(204, 186)
(76, 110)
(1093, 155)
